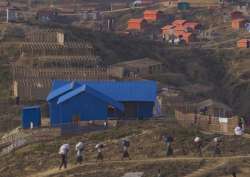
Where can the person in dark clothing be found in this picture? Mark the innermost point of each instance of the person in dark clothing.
(198, 144)
(125, 144)
(168, 141)
(234, 174)
(99, 148)
(217, 150)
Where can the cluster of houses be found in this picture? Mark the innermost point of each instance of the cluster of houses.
(178, 30)
(181, 30)
(240, 22)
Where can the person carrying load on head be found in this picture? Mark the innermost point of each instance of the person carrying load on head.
(125, 145)
(79, 152)
(238, 131)
(168, 141)
(198, 144)
(63, 151)
(99, 148)
(217, 150)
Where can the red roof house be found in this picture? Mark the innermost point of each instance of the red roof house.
(238, 23)
(243, 43)
(136, 24)
(152, 15)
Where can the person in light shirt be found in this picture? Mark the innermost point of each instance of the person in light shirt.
(79, 152)
(63, 151)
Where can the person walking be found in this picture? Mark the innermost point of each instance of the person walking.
(217, 150)
(99, 148)
(125, 145)
(168, 141)
(63, 152)
(198, 144)
(79, 152)
(238, 131)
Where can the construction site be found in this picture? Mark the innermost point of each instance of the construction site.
(171, 78)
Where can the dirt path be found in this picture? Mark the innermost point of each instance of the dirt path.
(208, 168)
(221, 162)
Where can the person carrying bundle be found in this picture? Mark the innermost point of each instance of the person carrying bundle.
(125, 145)
(238, 131)
(198, 144)
(79, 152)
(63, 151)
(217, 150)
(168, 141)
(99, 148)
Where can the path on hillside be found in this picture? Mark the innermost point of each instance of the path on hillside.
(207, 168)
(221, 161)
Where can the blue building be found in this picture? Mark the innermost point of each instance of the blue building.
(31, 116)
(99, 100)
(85, 103)
(53, 98)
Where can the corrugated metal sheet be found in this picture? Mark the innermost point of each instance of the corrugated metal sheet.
(120, 91)
(31, 114)
(82, 107)
(89, 90)
(61, 90)
(53, 98)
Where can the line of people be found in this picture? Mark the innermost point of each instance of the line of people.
(198, 143)
(80, 147)
(168, 139)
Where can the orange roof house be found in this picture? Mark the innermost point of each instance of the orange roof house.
(152, 15)
(243, 43)
(178, 23)
(238, 23)
(136, 24)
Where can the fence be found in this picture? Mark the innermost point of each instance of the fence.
(207, 123)
(21, 138)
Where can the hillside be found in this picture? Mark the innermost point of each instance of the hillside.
(147, 152)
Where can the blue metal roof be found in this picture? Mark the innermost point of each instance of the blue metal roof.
(87, 89)
(61, 90)
(31, 107)
(143, 90)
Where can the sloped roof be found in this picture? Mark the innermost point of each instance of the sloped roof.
(62, 90)
(210, 102)
(87, 89)
(151, 12)
(143, 90)
(136, 20)
(167, 27)
(243, 40)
